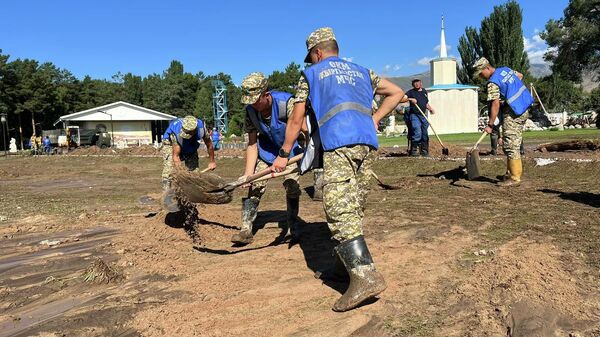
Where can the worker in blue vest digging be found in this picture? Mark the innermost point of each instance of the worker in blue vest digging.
(267, 113)
(181, 141)
(505, 84)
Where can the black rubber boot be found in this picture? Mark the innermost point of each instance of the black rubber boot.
(365, 281)
(413, 149)
(424, 149)
(249, 211)
(293, 206)
(335, 273)
(494, 143)
(318, 185)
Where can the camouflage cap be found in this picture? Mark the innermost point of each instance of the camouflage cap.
(319, 35)
(253, 86)
(188, 125)
(480, 65)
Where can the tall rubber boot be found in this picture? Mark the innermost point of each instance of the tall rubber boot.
(365, 281)
(412, 152)
(335, 273)
(293, 206)
(318, 185)
(249, 211)
(424, 150)
(494, 143)
(515, 167)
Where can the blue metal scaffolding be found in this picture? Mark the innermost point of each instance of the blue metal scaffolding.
(220, 106)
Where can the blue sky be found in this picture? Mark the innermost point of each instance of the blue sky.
(100, 38)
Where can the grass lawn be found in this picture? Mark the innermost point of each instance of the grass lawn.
(530, 136)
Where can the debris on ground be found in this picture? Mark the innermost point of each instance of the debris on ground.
(544, 161)
(572, 145)
(50, 243)
(100, 272)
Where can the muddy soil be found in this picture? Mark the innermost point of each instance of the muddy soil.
(460, 259)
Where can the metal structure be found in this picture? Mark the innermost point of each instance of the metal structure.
(220, 106)
(4, 124)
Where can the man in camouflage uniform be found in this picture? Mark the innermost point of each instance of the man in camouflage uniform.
(505, 84)
(267, 112)
(337, 95)
(180, 144)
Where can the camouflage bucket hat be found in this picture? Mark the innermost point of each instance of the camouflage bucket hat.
(479, 66)
(319, 35)
(253, 86)
(189, 124)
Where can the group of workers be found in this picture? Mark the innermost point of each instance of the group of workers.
(332, 123)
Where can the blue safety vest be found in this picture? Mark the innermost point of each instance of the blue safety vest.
(272, 136)
(188, 146)
(214, 136)
(340, 98)
(514, 91)
(169, 131)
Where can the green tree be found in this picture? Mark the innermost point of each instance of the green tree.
(499, 39)
(559, 94)
(285, 80)
(132, 89)
(576, 39)
(469, 47)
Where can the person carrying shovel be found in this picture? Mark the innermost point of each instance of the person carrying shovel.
(267, 112)
(505, 84)
(418, 122)
(337, 96)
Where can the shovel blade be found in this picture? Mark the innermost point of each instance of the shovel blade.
(473, 166)
(169, 201)
(445, 151)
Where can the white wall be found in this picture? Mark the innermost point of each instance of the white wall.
(456, 110)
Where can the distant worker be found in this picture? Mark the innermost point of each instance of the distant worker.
(505, 84)
(337, 95)
(267, 112)
(34, 146)
(47, 145)
(418, 124)
(180, 144)
(216, 138)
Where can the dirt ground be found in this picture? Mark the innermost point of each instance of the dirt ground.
(461, 258)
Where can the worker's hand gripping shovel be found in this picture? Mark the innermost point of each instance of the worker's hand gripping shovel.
(209, 188)
(445, 150)
(262, 175)
(169, 200)
(472, 161)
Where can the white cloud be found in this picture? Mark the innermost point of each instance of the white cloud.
(397, 67)
(349, 59)
(437, 48)
(424, 61)
(535, 47)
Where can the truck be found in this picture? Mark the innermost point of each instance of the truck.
(73, 137)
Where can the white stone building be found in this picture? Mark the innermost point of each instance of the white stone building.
(456, 105)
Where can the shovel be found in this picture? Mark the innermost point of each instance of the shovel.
(218, 192)
(169, 200)
(445, 150)
(473, 166)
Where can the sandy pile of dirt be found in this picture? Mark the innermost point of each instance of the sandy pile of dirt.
(525, 290)
(230, 153)
(91, 151)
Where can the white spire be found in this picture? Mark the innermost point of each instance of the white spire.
(443, 52)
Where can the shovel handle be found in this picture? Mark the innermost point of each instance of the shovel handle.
(205, 170)
(263, 173)
(479, 141)
(287, 171)
(430, 125)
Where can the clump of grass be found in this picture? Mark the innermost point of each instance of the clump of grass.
(100, 272)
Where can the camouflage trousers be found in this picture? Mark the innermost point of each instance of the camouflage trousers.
(190, 161)
(512, 133)
(292, 188)
(345, 187)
